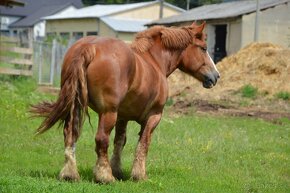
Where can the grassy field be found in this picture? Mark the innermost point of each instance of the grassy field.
(188, 154)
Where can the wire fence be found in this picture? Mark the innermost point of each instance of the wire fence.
(48, 58)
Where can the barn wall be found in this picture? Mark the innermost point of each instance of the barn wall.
(126, 36)
(274, 26)
(210, 31)
(233, 37)
(106, 31)
(72, 25)
(148, 12)
(233, 43)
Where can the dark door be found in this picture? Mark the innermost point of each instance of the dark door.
(220, 42)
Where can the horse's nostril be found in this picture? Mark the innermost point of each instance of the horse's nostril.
(217, 75)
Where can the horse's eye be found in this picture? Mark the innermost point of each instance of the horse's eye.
(204, 49)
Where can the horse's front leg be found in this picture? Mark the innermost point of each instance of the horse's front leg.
(103, 171)
(139, 164)
(119, 143)
(70, 171)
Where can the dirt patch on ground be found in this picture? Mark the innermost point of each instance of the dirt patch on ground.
(207, 107)
(48, 89)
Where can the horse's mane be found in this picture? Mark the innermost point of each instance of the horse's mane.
(171, 38)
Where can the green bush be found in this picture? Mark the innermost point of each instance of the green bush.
(249, 91)
(283, 95)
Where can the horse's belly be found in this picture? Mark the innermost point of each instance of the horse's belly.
(132, 110)
(137, 106)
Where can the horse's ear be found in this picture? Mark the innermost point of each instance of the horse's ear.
(200, 28)
(193, 24)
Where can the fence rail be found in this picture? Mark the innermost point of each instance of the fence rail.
(18, 72)
(15, 60)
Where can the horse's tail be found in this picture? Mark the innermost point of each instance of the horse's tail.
(71, 106)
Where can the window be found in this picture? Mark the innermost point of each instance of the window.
(64, 35)
(50, 36)
(78, 35)
(92, 33)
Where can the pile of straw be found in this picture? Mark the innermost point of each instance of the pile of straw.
(263, 65)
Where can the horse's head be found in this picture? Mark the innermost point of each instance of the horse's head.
(195, 59)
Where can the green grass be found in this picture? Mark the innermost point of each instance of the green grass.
(283, 95)
(249, 91)
(188, 154)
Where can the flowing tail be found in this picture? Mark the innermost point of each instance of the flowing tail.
(72, 104)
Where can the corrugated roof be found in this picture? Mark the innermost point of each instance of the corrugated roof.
(36, 16)
(125, 25)
(97, 11)
(219, 11)
(33, 5)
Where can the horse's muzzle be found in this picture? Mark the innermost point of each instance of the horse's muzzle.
(210, 79)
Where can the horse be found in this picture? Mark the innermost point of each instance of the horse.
(122, 82)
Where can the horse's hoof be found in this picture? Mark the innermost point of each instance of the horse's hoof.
(118, 174)
(105, 179)
(69, 177)
(69, 174)
(103, 175)
(139, 177)
(138, 173)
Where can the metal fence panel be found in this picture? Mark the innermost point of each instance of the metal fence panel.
(48, 58)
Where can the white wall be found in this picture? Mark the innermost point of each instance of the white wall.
(6, 21)
(274, 26)
(233, 43)
(210, 30)
(39, 30)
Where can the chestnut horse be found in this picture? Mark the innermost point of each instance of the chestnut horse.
(122, 82)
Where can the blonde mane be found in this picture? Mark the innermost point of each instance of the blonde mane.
(171, 38)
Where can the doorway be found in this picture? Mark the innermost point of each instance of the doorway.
(220, 42)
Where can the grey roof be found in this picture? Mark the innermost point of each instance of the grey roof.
(32, 6)
(97, 11)
(219, 11)
(125, 25)
(36, 16)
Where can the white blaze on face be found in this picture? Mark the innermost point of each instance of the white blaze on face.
(212, 63)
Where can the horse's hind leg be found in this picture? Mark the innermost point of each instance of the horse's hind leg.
(119, 143)
(139, 164)
(103, 171)
(69, 171)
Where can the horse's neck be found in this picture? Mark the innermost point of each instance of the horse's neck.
(166, 60)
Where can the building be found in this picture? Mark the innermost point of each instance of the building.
(11, 3)
(114, 20)
(27, 21)
(231, 25)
